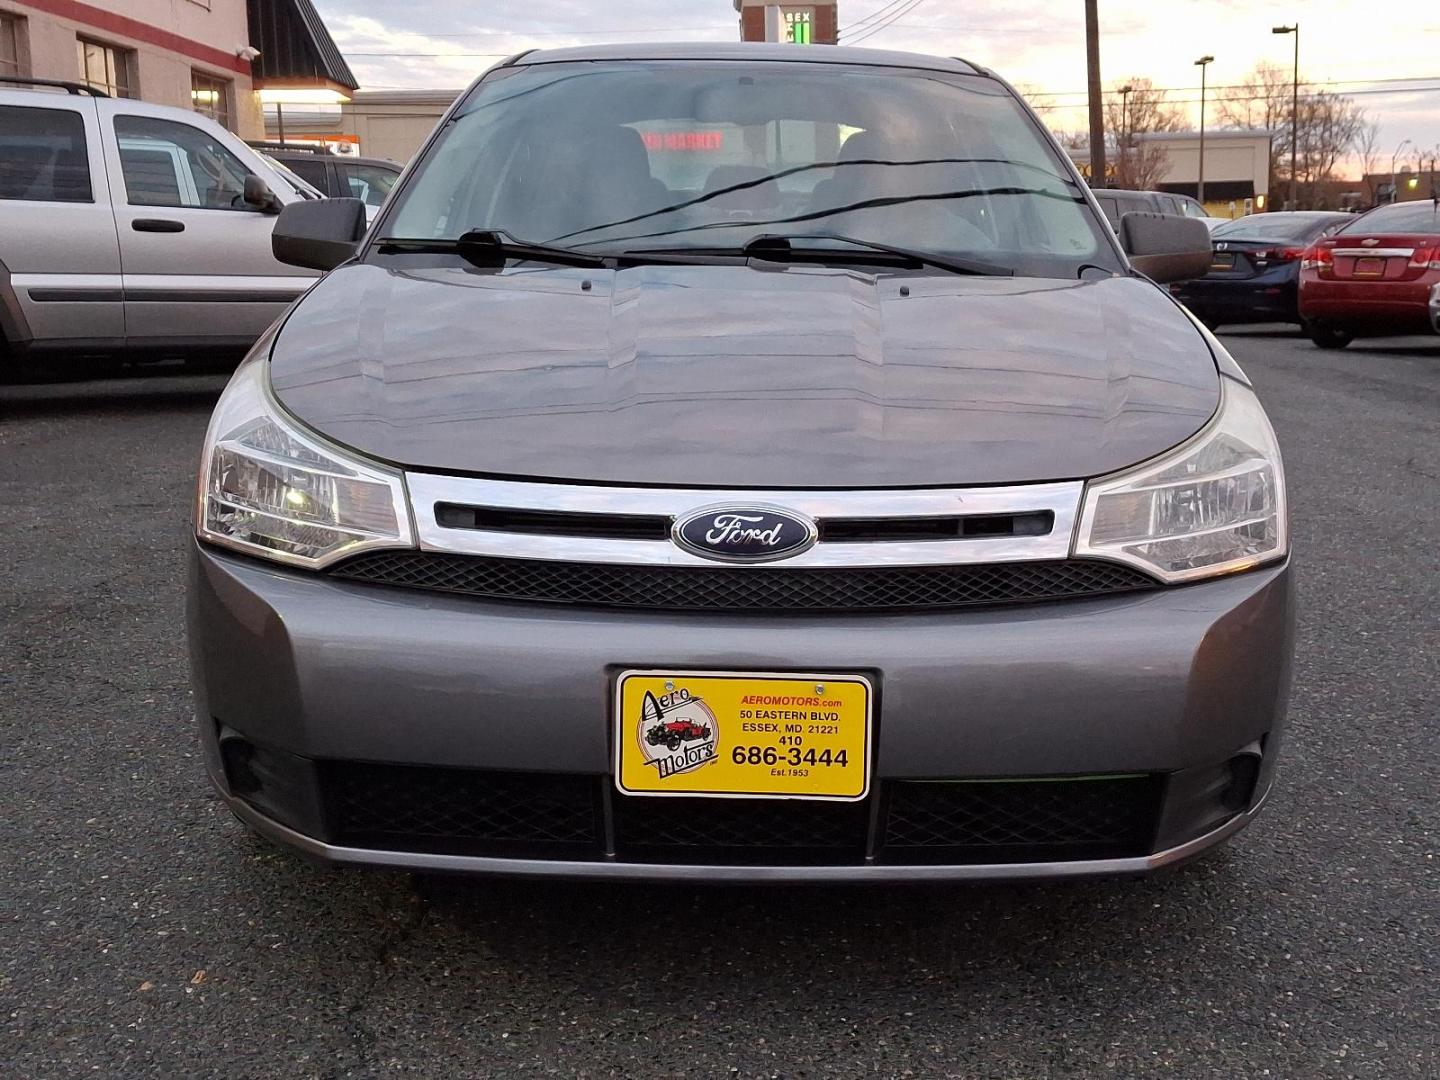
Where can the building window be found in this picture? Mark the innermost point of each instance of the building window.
(106, 68)
(800, 26)
(9, 45)
(210, 97)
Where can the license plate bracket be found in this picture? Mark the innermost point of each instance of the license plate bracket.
(743, 735)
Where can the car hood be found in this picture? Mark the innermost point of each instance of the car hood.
(743, 376)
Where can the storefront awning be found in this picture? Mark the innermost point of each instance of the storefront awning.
(296, 49)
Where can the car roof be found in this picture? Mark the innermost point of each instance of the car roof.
(751, 51)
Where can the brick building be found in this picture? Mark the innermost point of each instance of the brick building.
(815, 23)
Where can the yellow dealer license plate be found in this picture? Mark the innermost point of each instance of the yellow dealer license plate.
(743, 735)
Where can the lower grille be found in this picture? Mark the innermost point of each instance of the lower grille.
(767, 589)
(461, 811)
(1021, 820)
(561, 816)
(739, 830)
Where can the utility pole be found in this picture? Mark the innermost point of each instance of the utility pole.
(1097, 104)
(1294, 115)
(1203, 63)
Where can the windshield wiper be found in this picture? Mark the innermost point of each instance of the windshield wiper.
(488, 247)
(776, 247)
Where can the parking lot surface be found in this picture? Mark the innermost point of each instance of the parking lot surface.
(144, 933)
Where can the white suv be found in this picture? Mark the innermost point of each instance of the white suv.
(127, 227)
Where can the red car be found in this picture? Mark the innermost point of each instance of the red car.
(1379, 275)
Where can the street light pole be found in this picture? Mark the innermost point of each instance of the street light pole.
(1394, 190)
(1294, 113)
(1122, 137)
(1203, 63)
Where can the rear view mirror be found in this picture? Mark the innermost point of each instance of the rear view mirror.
(320, 234)
(258, 196)
(1166, 247)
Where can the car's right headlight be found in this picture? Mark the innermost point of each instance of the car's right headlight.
(1214, 505)
(270, 488)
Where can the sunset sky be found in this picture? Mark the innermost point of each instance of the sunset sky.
(1038, 43)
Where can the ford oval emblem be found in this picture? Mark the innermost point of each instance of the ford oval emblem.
(745, 534)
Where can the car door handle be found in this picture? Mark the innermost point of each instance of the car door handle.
(157, 225)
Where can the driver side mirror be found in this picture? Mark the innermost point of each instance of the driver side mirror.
(318, 235)
(1166, 247)
(258, 196)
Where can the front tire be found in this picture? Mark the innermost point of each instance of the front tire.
(1327, 337)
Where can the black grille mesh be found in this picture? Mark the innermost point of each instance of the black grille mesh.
(1101, 817)
(688, 830)
(410, 808)
(667, 588)
(543, 815)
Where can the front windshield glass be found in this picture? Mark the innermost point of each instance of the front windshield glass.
(301, 187)
(628, 156)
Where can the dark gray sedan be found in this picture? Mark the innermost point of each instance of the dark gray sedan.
(741, 463)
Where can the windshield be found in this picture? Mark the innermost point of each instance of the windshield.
(1273, 227)
(1191, 208)
(628, 156)
(302, 187)
(1422, 216)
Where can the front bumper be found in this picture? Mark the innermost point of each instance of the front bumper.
(1169, 686)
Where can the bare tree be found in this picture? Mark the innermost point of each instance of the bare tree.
(1140, 163)
(1261, 102)
(1330, 125)
(1037, 99)
(1072, 140)
(1367, 149)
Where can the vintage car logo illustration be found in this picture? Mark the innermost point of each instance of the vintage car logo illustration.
(745, 533)
(676, 732)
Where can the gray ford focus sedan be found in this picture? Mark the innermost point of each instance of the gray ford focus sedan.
(741, 463)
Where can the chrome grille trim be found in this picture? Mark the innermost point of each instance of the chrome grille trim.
(428, 489)
(1384, 253)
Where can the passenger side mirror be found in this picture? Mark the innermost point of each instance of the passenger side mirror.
(1166, 247)
(258, 196)
(318, 235)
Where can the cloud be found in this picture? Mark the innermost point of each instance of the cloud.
(1036, 42)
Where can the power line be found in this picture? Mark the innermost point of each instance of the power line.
(432, 55)
(877, 13)
(1247, 86)
(574, 33)
(871, 31)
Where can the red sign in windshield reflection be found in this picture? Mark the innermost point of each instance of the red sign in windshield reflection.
(684, 140)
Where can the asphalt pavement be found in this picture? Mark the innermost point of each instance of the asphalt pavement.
(144, 933)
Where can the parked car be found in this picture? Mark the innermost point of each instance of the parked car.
(802, 396)
(1116, 203)
(1377, 276)
(128, 227)
(363, 178)
(301, 186)
(1255, 271)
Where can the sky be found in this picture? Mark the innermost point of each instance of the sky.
(1365, 48)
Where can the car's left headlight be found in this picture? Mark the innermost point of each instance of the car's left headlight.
(269, 488)
(1214, 505)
